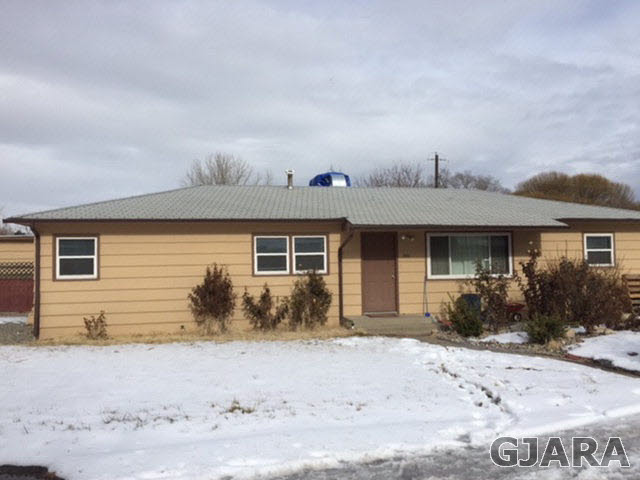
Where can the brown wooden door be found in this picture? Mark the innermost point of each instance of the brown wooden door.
(379, 273)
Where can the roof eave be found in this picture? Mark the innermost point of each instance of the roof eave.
(31, 221)
(454, 227)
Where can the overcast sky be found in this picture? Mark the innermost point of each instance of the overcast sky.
(106, 99)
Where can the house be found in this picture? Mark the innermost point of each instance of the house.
(16, 273)
(381, 250)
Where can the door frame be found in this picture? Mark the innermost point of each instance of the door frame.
(395, 272)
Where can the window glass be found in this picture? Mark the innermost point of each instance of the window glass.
(309, 244)
(76, 258)
(272, 263)
(271, 245)
(310, 254)
(466, 251)
(500, 254)
(306, 263)
(597, 242)
(76, 247)
(599, 258)
(439, 253)
(458, 255)
(76, 266)
(599, 249)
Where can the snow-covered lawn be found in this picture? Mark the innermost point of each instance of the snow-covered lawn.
(203, 410)
(518, 337)
(622, 349)
(20, 319)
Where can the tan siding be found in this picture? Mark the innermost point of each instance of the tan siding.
(148, 269)
(352, 276)
(16, 251)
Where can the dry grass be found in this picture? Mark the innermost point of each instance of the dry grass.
(230, 336)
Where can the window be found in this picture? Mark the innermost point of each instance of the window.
(310, 253)
(455, 256)
(598, 249)
(76, 258)
(271, 255)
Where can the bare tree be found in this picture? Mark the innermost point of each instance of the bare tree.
(468, 180)
(265, 178)
(4, 228)
(582, 188)
(413, 175)
(219, 169)
(398, 175)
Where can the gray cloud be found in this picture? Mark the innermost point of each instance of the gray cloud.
(104, 99)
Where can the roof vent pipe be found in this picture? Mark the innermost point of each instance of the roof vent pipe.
(289, 173)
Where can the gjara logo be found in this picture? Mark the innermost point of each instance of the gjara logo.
(526, 452)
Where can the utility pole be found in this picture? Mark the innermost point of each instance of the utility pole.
(436, 175)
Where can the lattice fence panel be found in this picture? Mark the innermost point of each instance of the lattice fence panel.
(16, 271)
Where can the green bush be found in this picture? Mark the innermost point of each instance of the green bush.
(264, 314)
(542, 328)
(465, 320)
(213, 301)
(309, 302)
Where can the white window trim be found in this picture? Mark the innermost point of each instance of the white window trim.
(466, 234)
(587, 250)
(59, 257)
(256, 255)
(324, 254)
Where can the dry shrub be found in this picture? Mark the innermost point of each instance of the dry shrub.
(96, 326)
(575, 292)
(213, 301)
(309, 302)
(494, 297)
(265, 313)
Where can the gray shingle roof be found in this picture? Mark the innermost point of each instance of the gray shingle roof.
(360, 206)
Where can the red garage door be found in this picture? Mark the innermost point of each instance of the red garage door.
(16, 287)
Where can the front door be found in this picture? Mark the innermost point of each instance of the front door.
(379, 272)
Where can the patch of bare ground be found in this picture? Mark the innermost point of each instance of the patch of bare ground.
(230, 336)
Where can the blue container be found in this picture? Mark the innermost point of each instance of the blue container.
(330, 179)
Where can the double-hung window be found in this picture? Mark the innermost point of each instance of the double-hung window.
(598, 249)
(309, 254)
(456, 255)
(76, 258)
(271, 255)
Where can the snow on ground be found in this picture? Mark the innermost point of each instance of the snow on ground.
(20, 319)
(204, 410)
(517, 337)
(622, 349)
(508, 337)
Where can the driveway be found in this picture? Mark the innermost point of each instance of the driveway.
(474, 463)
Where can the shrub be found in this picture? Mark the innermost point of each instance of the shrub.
(96, 326)
(309, 302)
(493, 292)
(535, 286)
(542, 328)
(264, 314)
(465, 320)
(213, 301)
(575, 292)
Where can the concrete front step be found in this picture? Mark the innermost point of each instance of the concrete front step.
(400, 325)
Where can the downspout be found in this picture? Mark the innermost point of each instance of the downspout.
(340, 281)
(36, 281)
